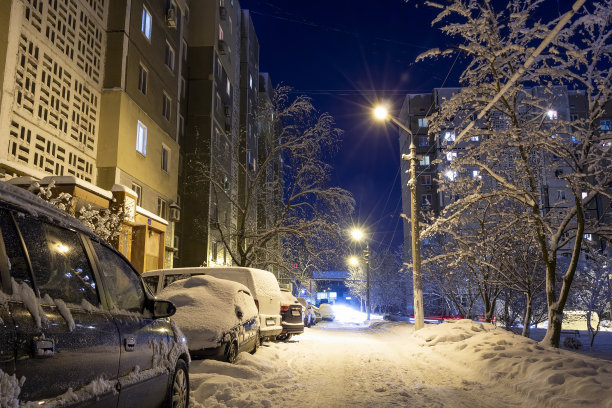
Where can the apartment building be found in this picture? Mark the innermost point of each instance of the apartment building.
(51, 75)
(211, 134)
(561, 104)
(140, 119)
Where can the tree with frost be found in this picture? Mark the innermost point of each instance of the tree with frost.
(356, 283)
(107, 223)
(388, 281)
(509, 101)
(287, 200)
(591, 291)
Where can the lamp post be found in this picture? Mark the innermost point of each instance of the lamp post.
(357, 235)
(382, 113)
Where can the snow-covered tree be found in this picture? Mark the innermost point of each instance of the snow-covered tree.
(291, 181)
(107, 223)
(525, 143)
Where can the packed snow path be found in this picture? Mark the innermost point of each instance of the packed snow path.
(386, 365)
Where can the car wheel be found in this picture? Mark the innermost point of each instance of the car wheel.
(232, 352)
(178, 396)
(256, 344)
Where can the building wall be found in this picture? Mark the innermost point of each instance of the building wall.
(52, 78)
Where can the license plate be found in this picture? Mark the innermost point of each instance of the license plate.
(295, 313)
(270, 322)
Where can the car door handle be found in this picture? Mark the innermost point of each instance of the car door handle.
(130, 343)
(44, 348)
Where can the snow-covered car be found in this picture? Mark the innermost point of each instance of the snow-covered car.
(327, 311)
(219, 317)
(291, 313)
(310, 317)
(77, 325)
(262, 285)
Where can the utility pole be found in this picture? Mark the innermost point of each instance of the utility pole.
(367, 262)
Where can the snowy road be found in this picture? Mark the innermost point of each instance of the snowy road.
(384, 365)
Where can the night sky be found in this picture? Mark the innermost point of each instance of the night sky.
(346, 55)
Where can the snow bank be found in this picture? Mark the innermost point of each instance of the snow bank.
(545, 376)
(10, 388)
(219, 384)
(207, 308)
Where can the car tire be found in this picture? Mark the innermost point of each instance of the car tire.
(178, 394)
(232, 352)
(256, 344)
(288, 337)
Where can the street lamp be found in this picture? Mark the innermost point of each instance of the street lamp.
(382, 113)
(358, 235)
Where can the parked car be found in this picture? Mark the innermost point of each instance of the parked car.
(310, 317)
(291, 313)
(218, 316)
(262, 285)
(77, 325)
(327, 311)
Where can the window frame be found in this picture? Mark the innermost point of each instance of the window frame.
(143, 77)
(138, 191)
(146, 23)
(141, 142)
(165, 158)
(170, 55)
(162, 208)
(166, 106)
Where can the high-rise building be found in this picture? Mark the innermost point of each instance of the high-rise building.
(51, 78)
(209, 180)
(140, 118)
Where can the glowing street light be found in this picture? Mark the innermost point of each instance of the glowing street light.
(353, 261)
(382, 113)
(358, 235)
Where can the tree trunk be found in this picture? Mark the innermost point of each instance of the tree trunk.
(527, 318)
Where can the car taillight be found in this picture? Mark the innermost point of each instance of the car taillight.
(284, 308)
(257, 304)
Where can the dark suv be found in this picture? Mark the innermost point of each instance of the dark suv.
(291, 316)
(77, 326)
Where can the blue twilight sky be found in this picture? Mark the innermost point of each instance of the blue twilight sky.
(346, 54)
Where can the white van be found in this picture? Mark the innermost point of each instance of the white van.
(262, 284)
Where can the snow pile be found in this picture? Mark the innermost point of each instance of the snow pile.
(10, 388)
(207, 307)
(545, 376)
(219, 384)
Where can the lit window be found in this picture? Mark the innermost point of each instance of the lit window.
(166, 106)
(588, 237)
(162, 207)
(145, 25)
(228, 86)
(426, 200)
(169, 56)
(475, 138)
(451, 175)
(142, 80)
(424, 161)
(449, 136)
(422, 122)
(605, 125)
(552, 114)
(425, 180)
(584, 195)
(476, 174)
(250, 81)
(141, 138)
(165, 158)
(451, 155)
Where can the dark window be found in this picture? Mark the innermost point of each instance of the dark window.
(59, 263)
(16, 257)
(120, 280)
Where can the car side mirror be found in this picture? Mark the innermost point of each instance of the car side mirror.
(163, 308)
